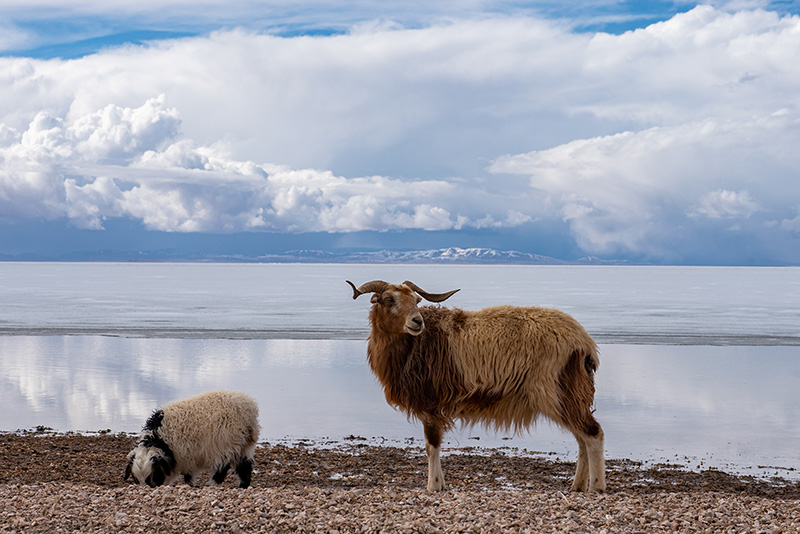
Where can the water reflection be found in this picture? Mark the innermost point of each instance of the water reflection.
(730, 407)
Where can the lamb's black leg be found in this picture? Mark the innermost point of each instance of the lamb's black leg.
(219, 476)
(244, 469)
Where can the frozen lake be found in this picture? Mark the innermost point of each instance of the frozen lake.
(619, 304)
(699, 366)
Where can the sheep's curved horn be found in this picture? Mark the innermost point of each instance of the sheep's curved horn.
(431, 297)
(376, 286)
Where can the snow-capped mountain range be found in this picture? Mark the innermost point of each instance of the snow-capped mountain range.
(443, 255)
(451, 255)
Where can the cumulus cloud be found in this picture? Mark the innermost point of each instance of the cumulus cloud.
(115, 133)
(617, 192)
(134, 162)
(690, 123)
(726, 204)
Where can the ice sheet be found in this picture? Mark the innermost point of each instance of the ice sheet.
(616, 304)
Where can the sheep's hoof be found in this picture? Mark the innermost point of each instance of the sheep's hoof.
(598, 485)
(436, 485)
(581, 488)
(578, 487)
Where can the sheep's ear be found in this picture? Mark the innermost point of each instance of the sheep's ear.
(161, 470)
(375, 298)
(129, 467)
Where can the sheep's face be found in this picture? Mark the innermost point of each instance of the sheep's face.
(148, 465)
(395, 310)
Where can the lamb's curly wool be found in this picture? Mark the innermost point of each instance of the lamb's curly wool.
(501, 367)
(212, 431)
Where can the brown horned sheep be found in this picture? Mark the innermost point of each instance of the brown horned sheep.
(501, 367)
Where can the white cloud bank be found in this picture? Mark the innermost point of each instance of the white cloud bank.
(617, 191)
(123, 162)
(686, 127)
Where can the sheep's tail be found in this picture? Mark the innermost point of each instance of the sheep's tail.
(252, 435)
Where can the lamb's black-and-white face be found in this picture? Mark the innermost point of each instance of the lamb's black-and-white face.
(148, 465)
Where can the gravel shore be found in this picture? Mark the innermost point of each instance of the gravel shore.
(66, 483)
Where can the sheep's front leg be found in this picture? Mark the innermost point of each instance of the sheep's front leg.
(433, 446)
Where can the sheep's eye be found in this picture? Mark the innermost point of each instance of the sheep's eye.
(388, 301)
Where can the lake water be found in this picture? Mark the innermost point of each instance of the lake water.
(699, 366)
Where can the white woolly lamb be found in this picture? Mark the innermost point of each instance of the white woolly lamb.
(213, 431)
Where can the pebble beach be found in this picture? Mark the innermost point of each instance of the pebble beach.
(72, 482)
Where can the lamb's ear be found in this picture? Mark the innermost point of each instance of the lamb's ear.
(161, 470)
(131, 456)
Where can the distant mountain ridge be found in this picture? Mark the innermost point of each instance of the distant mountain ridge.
(450, 255)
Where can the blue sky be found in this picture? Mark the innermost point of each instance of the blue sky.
(664, 132)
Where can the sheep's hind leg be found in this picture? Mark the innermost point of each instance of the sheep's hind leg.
(576, 394)
(590, 473)
(244, 470)
(219, 477)
(433, 446)
(582, 469)
(597, 462)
